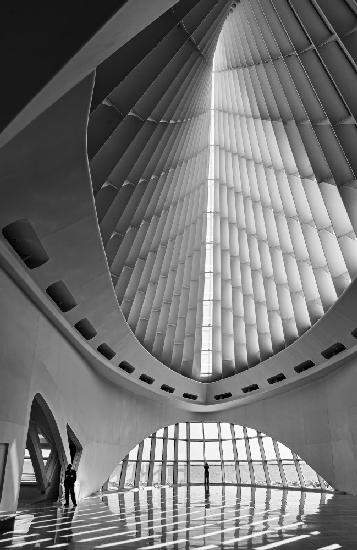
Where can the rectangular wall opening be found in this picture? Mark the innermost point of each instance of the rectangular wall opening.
(333, 350)
(305, 365)
(223, 396)
(167, 388)
(23, 239)
(191, 396)
(59, 293)
(277, 378)
(106, 351)
(147, 379)
(126, 367)
(250, 388)
(86, 329)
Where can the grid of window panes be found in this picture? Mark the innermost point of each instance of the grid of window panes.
(235, 454)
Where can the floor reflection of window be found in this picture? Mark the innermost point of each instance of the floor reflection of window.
(235, 454)
(239, 517)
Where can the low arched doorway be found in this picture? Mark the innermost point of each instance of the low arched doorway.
(45, 459)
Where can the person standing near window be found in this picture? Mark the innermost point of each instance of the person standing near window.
(70, 477)
(206, 468)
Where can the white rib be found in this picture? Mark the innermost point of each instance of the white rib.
(211, 289)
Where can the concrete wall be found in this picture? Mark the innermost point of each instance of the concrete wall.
(36, 358)
(317, 420)
(45, 178)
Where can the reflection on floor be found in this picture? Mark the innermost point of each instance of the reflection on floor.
(187, 518)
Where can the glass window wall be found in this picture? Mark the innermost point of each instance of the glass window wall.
(235, 454)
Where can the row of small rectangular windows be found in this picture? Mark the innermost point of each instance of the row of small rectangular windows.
(24, 240)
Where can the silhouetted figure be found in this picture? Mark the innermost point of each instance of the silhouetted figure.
(207, 501)
(206, 467)
(70, 477)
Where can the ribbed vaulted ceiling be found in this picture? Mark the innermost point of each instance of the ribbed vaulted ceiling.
(243, 212)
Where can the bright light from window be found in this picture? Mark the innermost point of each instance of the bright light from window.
(207, 307)
(235, 454)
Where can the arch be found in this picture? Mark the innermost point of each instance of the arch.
(75, 447)
(237, 455)
(45, 458)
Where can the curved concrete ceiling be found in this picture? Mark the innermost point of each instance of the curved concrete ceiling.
(148, 149)
(283, 243)
(163, 75)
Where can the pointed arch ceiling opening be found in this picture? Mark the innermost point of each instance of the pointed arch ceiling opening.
(224, 178)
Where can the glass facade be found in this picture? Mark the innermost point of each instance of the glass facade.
(236, 455)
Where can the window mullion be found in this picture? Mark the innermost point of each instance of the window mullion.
(188, 477)
(280, 463)
(265, 464)
(298, 469)
(123, 472)
(152, 459)
(138, 464)
(221, 451)
(235, 452)
(164, 456)
(249, 456)
(175, 467)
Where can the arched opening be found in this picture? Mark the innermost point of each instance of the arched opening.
(236, 455)
(44, 459)
(75, 447)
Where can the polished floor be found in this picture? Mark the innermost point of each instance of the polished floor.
(190, 518)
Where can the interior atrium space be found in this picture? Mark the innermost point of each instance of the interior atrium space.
(178, 261)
